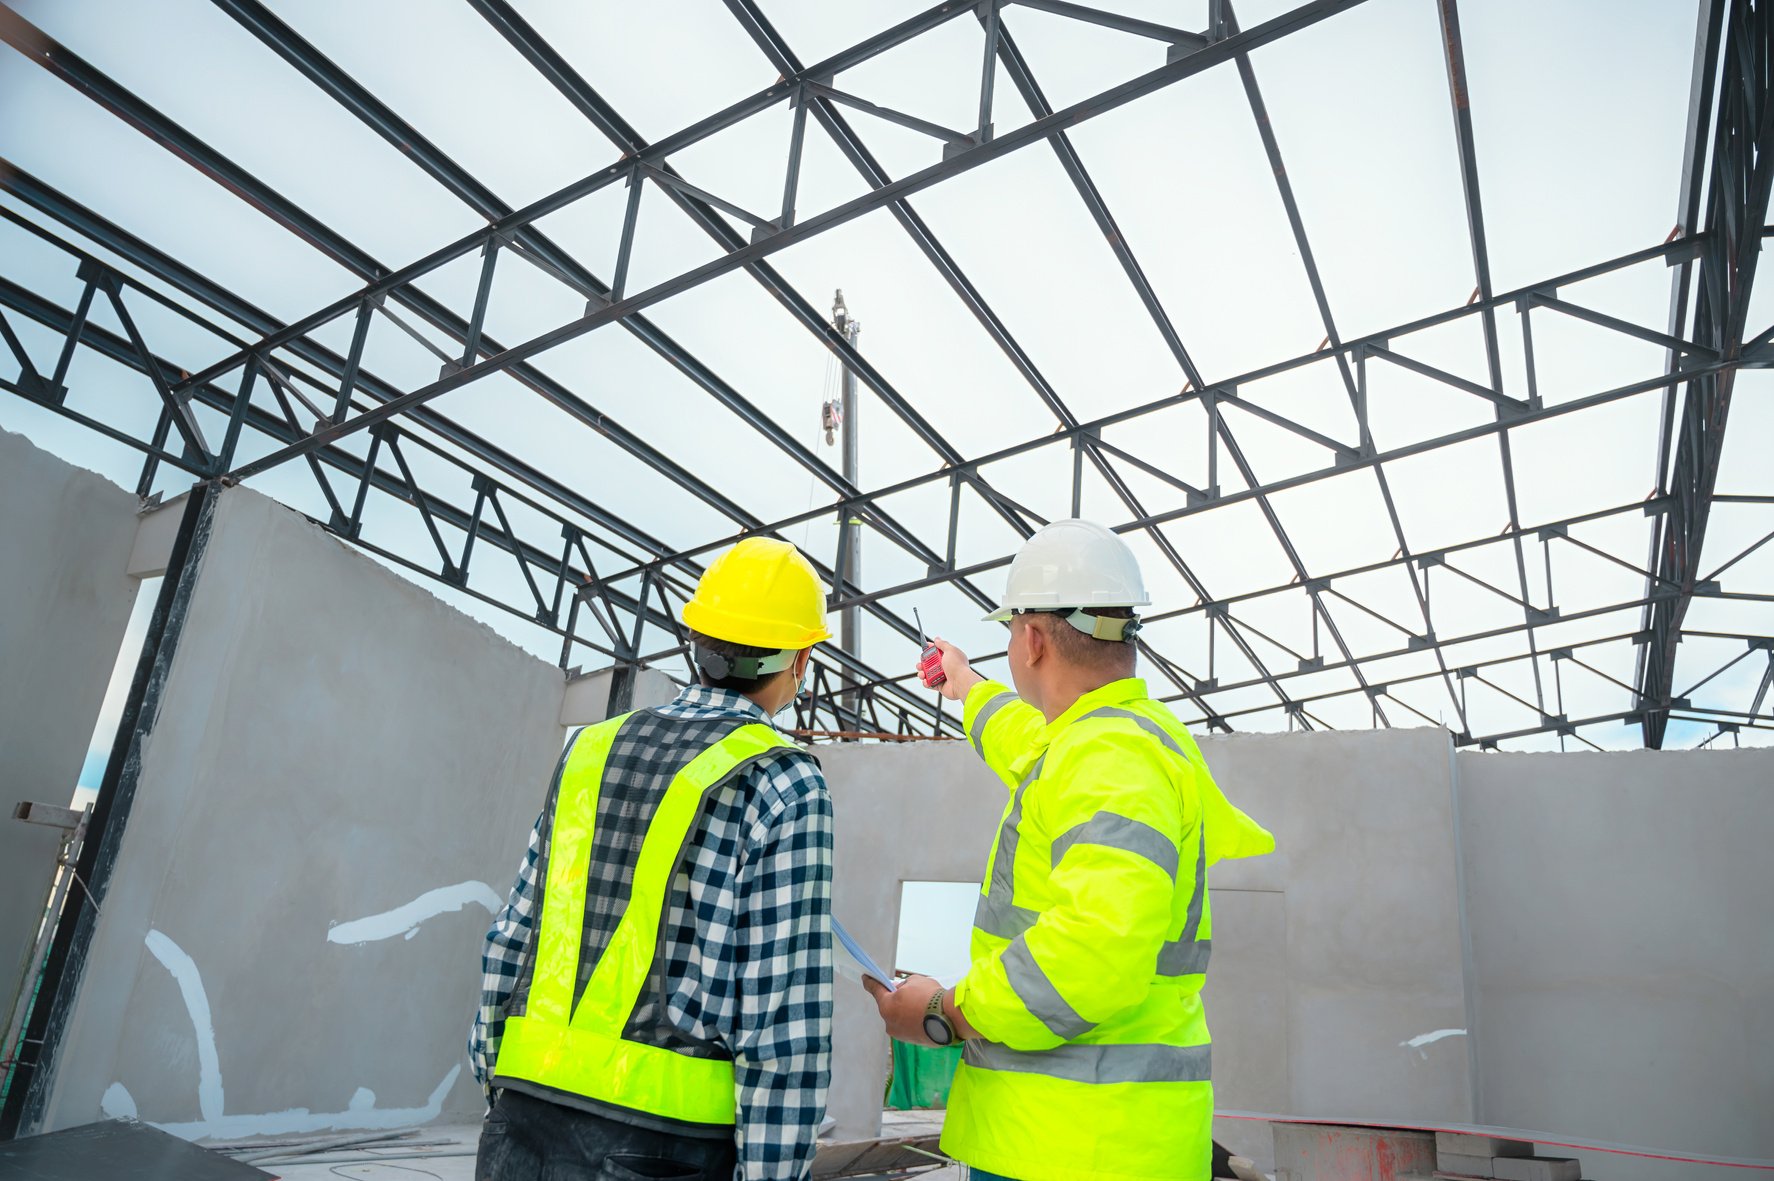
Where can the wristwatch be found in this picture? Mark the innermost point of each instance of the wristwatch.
(937, 1026)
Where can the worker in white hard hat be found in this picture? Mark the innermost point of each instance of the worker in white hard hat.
(1087, 1052)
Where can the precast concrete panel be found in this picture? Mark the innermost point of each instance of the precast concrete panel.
(334, 798)
(65, 600)
(1361, 1008)
(1336, 983)
(906, 812)
(1624, 949)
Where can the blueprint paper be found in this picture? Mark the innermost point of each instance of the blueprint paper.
(861, 963)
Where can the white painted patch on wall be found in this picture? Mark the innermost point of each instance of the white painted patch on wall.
(209, 1064)
(404, 920)
(360, 1113)
(1425, 1039)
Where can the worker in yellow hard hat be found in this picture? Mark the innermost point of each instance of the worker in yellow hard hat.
(1087, 1055)
(657, 993)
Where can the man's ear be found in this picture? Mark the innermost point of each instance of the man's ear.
(1035, 641)
(802, 660)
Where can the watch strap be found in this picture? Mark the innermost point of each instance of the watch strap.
(934, 1009)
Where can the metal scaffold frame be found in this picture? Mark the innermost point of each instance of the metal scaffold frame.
(602, 584)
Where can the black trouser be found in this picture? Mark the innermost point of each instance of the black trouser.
(530, 1139)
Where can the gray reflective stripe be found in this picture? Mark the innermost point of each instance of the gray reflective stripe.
(1180, 958)
(1004, 861)
(1000, 917)
(1120, 832)
(986, 713)
(1192, 923)
(1184, 958)
(1038, 994)
(1144, 723)
(1188, 954)
(1099, 1064)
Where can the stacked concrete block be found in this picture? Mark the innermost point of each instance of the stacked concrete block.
(1537, 1168)
(1458, 1154)
(1337, 1152)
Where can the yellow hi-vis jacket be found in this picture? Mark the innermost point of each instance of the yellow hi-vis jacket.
(580, 1049)
(1090, 944)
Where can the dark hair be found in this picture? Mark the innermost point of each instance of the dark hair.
(731, 651)
(1108, 656)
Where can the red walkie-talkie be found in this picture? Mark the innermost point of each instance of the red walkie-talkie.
(929, 660)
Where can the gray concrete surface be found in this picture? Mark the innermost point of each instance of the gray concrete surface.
(1624, 950)
(587, 697)
(344, 769)
(1332, 955)
(335, 746)
(65, 598)
(909, 812)
(1620, 987)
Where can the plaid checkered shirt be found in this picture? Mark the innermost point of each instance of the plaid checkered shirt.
(746, 949)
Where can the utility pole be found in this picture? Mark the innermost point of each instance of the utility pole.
(850, 525)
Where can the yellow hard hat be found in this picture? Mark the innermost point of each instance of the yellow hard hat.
(761, 592)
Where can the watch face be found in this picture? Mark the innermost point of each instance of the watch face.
(937, 1030)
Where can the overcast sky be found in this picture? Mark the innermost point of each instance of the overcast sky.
(1579, 112)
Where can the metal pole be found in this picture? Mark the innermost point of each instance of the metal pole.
(848, 637)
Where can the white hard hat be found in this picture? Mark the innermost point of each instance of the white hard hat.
(1072, 564)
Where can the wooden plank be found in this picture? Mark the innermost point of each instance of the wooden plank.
(50, 814)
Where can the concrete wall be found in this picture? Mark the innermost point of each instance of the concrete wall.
(1620, 911)
(1338, 952)
(1574, 943)
(1329, 957)
(343, 770)
(335, 796)
(913, 812)
(65, 598)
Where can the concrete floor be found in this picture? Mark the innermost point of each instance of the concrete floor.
(455, 1161)
(445, 1162)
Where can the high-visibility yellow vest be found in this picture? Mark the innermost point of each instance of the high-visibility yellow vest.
(580, 1049)
(1090, 944)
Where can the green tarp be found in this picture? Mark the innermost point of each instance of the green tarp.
(922, 1075)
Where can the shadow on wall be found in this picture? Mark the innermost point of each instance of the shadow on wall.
(361, 1111)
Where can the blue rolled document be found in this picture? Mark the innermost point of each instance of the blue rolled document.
(862, 961)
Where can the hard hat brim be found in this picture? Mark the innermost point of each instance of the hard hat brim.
(1003, 614)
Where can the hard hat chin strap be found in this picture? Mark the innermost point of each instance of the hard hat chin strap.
(746, 668)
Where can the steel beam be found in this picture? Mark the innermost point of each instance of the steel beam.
(84, 76)
(1742, 173)
(1709, 362)
(402, 487)
(1079, 112)
(781, 56)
